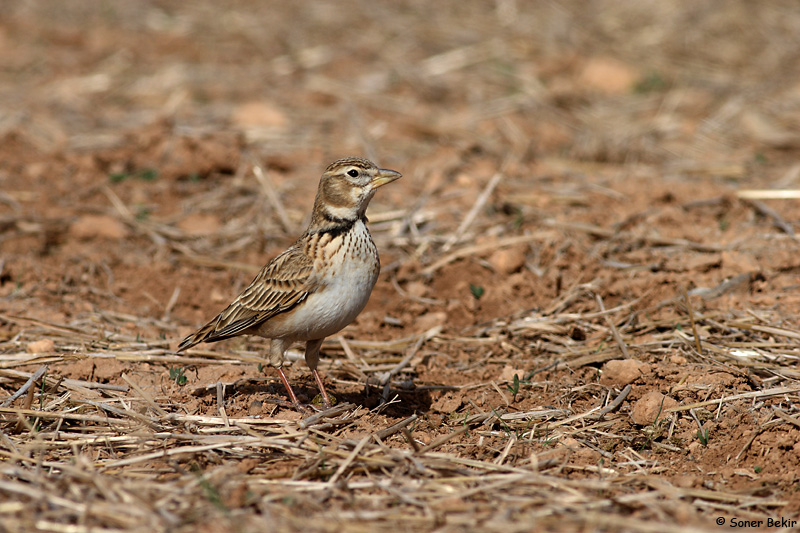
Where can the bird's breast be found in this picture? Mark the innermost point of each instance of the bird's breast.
(345, 270)
(348, 275)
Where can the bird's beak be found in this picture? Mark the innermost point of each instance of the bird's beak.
(384, 176)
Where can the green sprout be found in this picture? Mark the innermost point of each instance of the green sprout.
(652, 82)
(513, 387)
(177, 375)
(703, 436)
(476, 291)
(147, 174)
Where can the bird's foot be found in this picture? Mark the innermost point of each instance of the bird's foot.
(320, 402)
(324, 402)
(300, 407)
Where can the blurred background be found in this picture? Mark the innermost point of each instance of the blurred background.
(679, 82)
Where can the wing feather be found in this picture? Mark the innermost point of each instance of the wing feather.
(286, 281)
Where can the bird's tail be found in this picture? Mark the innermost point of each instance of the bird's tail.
(197, 337)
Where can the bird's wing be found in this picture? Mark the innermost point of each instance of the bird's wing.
(285, 282)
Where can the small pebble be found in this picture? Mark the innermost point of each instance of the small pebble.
(98, 226)
(508, 260)
(40, 346)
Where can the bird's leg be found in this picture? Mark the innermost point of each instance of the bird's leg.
(276, 350)
(289, 389)
(312, 360)
(322, 389)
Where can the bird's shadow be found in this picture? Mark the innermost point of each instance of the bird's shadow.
(398, 403)
(394, 402)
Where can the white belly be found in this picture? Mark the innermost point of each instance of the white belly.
(346, 283)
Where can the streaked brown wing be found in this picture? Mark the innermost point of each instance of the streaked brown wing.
(281, 285)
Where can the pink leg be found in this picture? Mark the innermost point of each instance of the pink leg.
(292, 395)
(321, 389)
(312, 360)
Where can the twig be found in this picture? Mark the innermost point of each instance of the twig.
(724, 287)
(508, 417)
(597, 231)
(211, 261)
(172, 452)
(458, 58)
(269, 191)
(473, 212)
(146, 397)
(351, 356)
(23, 423)
(33, 379)
(768, 212)
(501, 393)
(768, 194)
(502, 457)
(129, 217)
(691, 319)
(394, 428)
(480, 248)
(614, 332)
(61, 328)
(328, 413)
(410, 439)
(411, 353)
(171, 303)
(68, 416)
(613, 405)
(749, 442)
(221, 403)
(786, 417)
(435, 443)
(350, 458)
(742, 396)
(771, 330)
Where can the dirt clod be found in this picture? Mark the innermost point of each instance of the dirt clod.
(198, 224)
(608, 75)
(98, 226)
(620, 372)
(651, 407)
(508, 261)
(40, 346)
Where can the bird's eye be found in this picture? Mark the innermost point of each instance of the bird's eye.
(353, 173)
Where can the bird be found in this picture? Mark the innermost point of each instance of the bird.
(320, 283)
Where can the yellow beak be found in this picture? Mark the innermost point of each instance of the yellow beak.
(385, 176)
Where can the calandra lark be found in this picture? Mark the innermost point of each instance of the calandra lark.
(321, 283)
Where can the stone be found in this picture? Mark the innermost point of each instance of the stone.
(259, 114)
(608, 75)
(621, 372)
(98, 226)
(650, 407)
(198, 224)
(508, 260)
(40, 346)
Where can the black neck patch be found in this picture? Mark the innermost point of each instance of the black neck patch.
(338, 226)
(336, 220)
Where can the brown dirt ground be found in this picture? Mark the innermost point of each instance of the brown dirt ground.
(624, 134)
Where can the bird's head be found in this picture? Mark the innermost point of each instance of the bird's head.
(347, 186)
